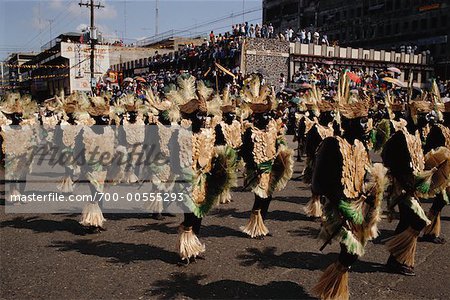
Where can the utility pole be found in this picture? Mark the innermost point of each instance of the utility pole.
(92, 38)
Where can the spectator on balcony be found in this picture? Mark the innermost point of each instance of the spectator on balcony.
(270, 30)
(246, 28)
(316, 37)
(289, 34)
(252, 31)
(325, 40)
(258, 31)
(302, 36)
(308, 37)
(264, 33)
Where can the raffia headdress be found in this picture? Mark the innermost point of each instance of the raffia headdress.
(228, 103)
(99, 106)
(351, 104)
(186, 96)
(169, 109)
(261, 98)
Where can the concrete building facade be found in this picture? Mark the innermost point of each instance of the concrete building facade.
(400, 25)
(273, 57)
(63, 64)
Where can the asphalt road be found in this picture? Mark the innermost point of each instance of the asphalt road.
(49, 256)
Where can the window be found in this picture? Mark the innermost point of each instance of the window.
(434, 22)
(388, 5)
(423, 24)
(380, 30)
(406, 25)
(444, 20)
(388, 29)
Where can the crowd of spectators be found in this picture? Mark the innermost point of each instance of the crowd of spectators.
(302, 35)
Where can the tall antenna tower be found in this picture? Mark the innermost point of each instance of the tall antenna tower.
(157, 17)
(50, 21)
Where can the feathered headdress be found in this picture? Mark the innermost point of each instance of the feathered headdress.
(439, 105)
(351, 104)
(11, 104)
(392, 106)
(15, 103)
(187, 96)
(99, 106)
(261, 98)
(168, 109)
(208, 96)
(321, 104)
(228, 103)
(53, 104)
(131, 103)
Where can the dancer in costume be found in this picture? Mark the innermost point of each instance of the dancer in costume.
(353, 189)
(18, 138)
(94, 149)
(50, 117)
(229, 135)
(437, 147)
(412, 178)
(131, 136)
(319, 131)
(65, 135)
(163, 114)
(307, 120)
(269, 163)
(206, 167)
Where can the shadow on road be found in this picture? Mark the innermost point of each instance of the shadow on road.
(307, 231)
(182, 285)
(278, 215)
(267, 258)
(166, 227)
(45, 226)
(383, 235)
(220, 231)
(294, 200)
(117, 252)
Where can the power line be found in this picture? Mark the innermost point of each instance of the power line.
(203, 24)
(67, 12)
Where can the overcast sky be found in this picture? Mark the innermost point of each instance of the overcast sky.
(25, 25)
